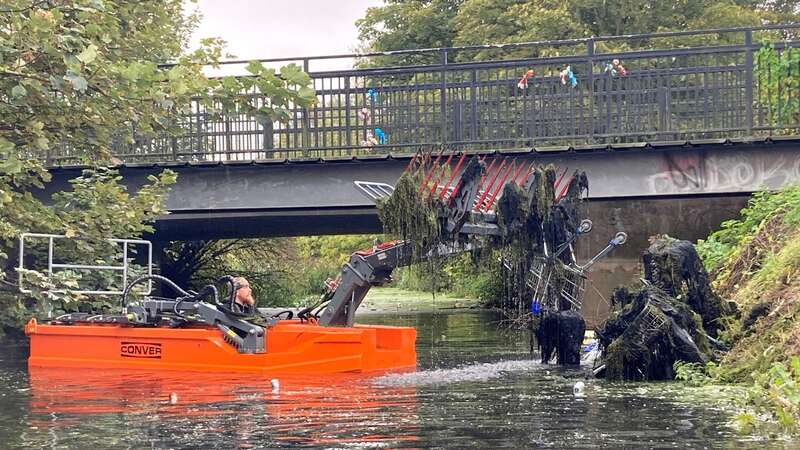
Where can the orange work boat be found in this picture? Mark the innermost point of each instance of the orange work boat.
(196, 331)
(290, 347)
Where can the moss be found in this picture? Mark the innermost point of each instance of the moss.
(651, 329)
(410, 215)
(674, 266)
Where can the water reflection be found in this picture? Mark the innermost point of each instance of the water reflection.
(222, 409)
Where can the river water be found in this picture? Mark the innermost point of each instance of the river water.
(475, 386)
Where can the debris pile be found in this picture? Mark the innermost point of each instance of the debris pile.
(560, 332)
(538, 212)
(534, 222)
(674, 266)
(664, 321)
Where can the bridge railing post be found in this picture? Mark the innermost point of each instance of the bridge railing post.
(748, 67)
(443, 97)
(269, 139)
(663, 111)
(347, 111)
(473, 95)
(228, 139)
(305, 140)
(457, 118)
(590, 86)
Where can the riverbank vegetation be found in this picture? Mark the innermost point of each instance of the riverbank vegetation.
(292, 271)
(755, 262)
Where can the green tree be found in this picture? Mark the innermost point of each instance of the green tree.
(269, 264)
(96, 208)
(481, 22)
(423, 24)
(78, 77)
(407, 24)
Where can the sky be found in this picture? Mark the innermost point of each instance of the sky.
(284, 28)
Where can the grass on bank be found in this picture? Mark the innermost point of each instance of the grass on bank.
(393, 299)
(755, 262)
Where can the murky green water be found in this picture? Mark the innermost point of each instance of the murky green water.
(475, 387)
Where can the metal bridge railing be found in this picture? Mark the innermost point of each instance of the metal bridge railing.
(681, 85)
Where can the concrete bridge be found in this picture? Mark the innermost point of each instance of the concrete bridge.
(215, 200)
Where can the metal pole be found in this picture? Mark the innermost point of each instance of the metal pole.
(748, 67)
(306, 136)
(124, 265)
(228, 139)
(348, 130)
(149, 267)
(174, 145)
(21, 260)
(473, 93)
(50, 257)
(590, 83)
(443, 97)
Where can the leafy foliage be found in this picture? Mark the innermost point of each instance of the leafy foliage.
(405, 24)
(777, 73)
(86, 74)
(97, 207)
(282, 271)
(82, 79)
(269, 265)
(695, 374)
(755, 260)
(721, 244)
(408, 24)
(772, 402)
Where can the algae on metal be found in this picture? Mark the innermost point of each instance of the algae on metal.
(662, 322)
(532, 224)
(674, 266)
(410, 215)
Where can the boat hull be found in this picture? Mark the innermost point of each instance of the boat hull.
(291, 347)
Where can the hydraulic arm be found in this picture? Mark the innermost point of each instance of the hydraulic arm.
(468, 213)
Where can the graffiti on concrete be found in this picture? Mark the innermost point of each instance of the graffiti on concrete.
(724, 171)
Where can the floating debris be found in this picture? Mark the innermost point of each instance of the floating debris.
(578, 389)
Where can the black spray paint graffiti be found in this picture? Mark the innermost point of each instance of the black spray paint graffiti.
(725, 171)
